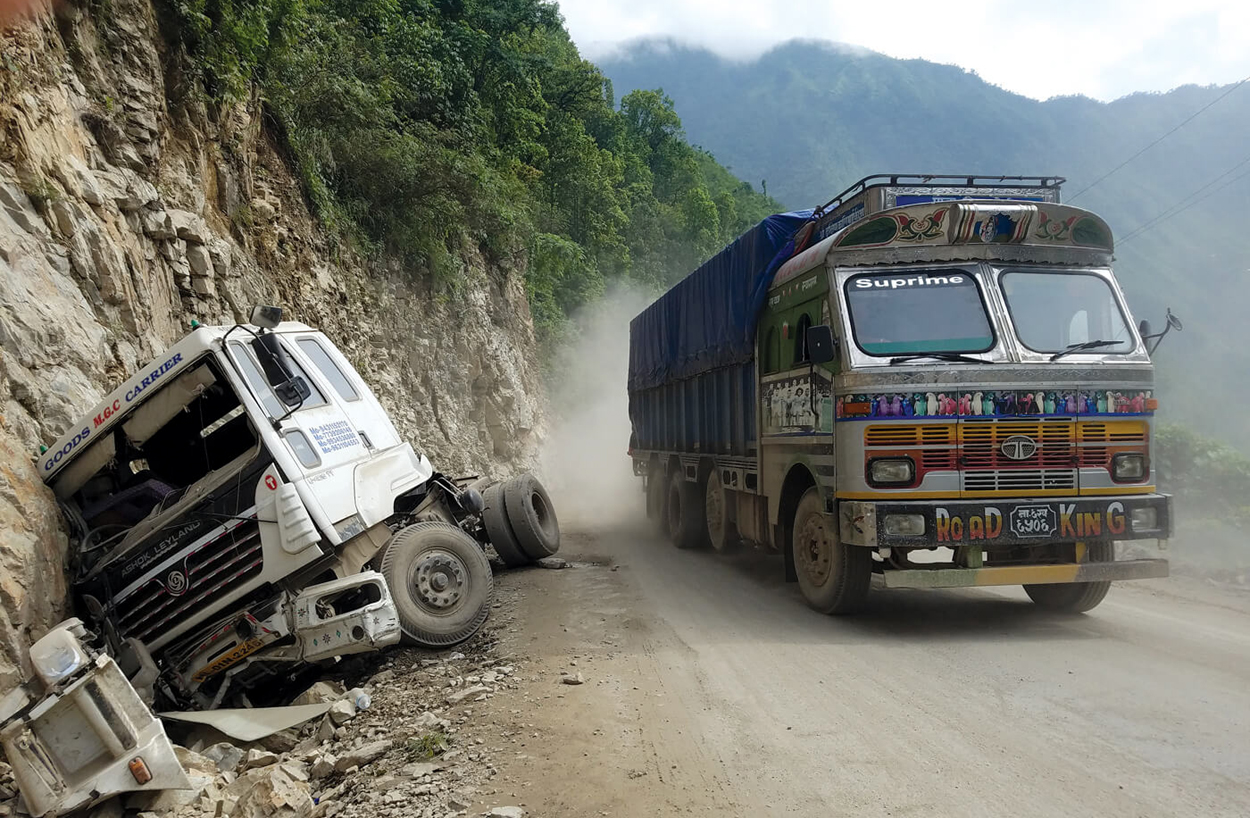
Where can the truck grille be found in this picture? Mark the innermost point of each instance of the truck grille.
(194, 583)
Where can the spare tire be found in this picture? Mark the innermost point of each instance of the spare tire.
(499, 530)
(440, 581)
(532, 516)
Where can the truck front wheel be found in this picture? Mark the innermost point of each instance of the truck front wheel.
(1075, 597)
(834, 577)
(440, 581)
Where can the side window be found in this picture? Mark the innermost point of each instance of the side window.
(260, 387)
(771, 352)
(322, 360)
(801, 355)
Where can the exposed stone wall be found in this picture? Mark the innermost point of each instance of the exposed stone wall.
(128, 207)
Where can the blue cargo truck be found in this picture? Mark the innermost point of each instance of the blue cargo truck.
(928, 382)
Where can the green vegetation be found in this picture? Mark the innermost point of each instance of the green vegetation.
(434, 129)
(1213, 479)
(812, 119)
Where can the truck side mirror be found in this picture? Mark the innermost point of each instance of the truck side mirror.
(290, 389)
(1144, 328)
(821, 346)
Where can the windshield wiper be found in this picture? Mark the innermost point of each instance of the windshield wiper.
(954, 357)
(1070, 348)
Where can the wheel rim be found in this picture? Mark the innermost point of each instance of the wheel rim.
(439, 581)
(715, 505)
(813, 551)
(541, 512)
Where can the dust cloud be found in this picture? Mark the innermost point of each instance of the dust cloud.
(584, 462)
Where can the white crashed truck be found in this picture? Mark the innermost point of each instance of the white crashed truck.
(239, 508)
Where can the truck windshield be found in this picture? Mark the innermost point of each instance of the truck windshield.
(918, 311)
(1054, 311)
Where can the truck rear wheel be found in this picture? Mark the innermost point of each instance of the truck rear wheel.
(1075, 597)
(499, 530)
(440, 581)
(721, 530)
(687, 527)
(657, 500)
(532, 516)
(834, 577)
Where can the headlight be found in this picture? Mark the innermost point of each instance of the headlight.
(1129, 468)
(891, 471)
(57, 656)
(904, 525)
(1144, 519)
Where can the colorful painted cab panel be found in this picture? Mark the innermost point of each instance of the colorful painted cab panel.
(994, 404)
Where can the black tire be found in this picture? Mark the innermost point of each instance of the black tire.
(440, 581)
(722, 531)
(499, 530)
(833, 577)
(657, 500)
(532, 516)
(687, 527)
(1075, 597)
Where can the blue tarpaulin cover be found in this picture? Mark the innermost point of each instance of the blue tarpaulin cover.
(707, 320)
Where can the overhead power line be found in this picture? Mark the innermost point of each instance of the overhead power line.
(1189, 201)
(1189, 119)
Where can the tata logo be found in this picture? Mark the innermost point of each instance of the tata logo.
(1018, 447)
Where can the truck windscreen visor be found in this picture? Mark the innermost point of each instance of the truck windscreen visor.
(918, 311)
(1053, 311)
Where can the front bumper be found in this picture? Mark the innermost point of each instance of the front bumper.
(1007, 522)
(948, 577)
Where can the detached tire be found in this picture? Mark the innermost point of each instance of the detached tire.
(833, 577)
(532, 516)
(687, 527)
(440, 581)
(499, 530)
(722, 532)
(1075, 597)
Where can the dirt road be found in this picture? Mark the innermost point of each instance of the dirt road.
(710, 689)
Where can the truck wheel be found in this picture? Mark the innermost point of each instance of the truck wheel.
(440, 581)
(833, 577)
(687, 527)
(499, 530)
(657, 500)
(532, 516)
(1075, 597)
(721, 530)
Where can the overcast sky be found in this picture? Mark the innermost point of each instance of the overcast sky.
(1101, 48)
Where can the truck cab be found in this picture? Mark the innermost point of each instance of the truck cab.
(240, 508)
(951, 392)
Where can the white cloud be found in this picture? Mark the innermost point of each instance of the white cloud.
(1100, 48)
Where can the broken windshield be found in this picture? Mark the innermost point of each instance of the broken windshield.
(916, 311)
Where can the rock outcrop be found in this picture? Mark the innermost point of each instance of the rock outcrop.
(130, 207)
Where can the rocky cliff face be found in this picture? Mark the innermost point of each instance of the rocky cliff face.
(130, 207)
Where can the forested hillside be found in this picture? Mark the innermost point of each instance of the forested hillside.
(809, 119)
(424, 127)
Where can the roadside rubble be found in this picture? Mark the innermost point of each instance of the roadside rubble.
(405, 750)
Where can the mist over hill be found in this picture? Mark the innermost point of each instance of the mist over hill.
(808, 119)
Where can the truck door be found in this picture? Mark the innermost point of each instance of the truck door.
(318, 432)
(367, 416)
